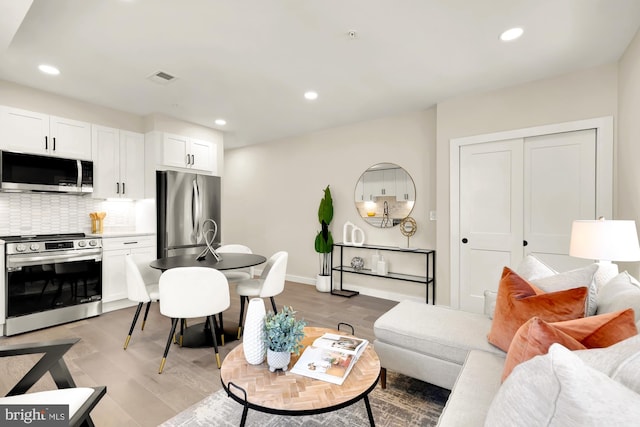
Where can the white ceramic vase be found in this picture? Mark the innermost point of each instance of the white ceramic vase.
(323, 283)
(253, 335)
(278, 360)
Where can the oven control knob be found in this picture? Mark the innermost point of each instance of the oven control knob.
(92, 243)
(34, 247)
(20, 247)
(82, 243)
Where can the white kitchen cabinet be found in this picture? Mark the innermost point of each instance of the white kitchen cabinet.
(379, 183)
(114, 249)
(118, 163)
(189, 153)
(31, 132)
(405, 189)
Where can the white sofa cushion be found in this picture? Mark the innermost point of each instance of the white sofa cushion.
(436, 331)
(620, 362)
(579, 277)
(531, 268)
(623, 291)
(74, 397)
(558, 389)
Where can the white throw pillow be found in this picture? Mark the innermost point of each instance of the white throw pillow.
(620, 362)
(619, 293)
(490, 298)
(559, 390)
(580, 277)
(531, 268)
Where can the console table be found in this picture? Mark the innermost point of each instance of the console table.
(428, 279)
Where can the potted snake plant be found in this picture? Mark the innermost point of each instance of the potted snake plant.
(324, 242)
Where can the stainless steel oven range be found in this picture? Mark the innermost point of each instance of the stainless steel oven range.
(51, 279)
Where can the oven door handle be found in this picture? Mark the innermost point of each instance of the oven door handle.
(24, 261)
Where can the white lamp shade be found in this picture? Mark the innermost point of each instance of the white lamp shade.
(605, 240)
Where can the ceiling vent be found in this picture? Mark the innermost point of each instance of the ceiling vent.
(161, 77)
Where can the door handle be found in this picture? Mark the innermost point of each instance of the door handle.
(117, 188)
(54, 143)
(525, 243)
(465, 240)
(123, 188)
(46, 142)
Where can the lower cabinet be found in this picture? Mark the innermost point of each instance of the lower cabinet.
(114, 249)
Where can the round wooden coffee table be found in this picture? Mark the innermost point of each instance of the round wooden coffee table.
(285, 393)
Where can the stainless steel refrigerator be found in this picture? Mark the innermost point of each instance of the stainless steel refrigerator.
(183, 202)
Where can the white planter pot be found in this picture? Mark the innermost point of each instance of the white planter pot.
(253, 335)
(323, 283)
(278, 360)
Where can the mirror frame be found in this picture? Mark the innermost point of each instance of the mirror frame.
(398, 205)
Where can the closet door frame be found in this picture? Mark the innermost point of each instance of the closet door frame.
(604, 177)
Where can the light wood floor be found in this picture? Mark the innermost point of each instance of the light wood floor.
(136, 394)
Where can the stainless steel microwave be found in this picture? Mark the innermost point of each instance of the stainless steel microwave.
(33, 173)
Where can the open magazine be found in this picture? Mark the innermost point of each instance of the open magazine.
(330, 358)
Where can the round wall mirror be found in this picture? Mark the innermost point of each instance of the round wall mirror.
(384, 195)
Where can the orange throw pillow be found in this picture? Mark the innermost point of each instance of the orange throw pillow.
(536, 336)
(519, 301)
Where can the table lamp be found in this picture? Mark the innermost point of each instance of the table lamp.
(605, 241)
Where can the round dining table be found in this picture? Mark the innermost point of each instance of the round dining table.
(228, 261)
(196, 335)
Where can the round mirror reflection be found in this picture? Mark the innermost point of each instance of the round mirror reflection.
(384, 195)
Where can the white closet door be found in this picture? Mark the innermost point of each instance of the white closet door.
(560, 186)
(490, 217)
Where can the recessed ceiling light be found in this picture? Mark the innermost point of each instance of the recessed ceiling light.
(48, 69)
(220, 122)
(311, 95)
(511, 34)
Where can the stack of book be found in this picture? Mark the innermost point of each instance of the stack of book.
(330, 358)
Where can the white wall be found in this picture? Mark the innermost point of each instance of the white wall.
(627, 204)
(272, 192)
(576, 96)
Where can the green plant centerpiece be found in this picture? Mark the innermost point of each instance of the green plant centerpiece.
(283, 336)
(324, 241)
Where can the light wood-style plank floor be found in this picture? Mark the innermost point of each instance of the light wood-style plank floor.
(136, 394)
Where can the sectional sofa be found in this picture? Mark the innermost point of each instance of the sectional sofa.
(449, 348)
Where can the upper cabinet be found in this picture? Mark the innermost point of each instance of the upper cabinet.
(190, 153)
(37, 133)
(118, 163)
(182, 152)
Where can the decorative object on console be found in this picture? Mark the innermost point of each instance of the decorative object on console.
(324, 242)
(283, 334)
(605, 241)
(374, 262)
(253, 340)
(408, 228)
(357, 263)
(382, 268)
(352, 234)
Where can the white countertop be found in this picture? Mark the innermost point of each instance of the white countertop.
(108, 234)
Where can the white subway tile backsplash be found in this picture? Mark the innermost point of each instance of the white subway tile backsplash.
(33, 213)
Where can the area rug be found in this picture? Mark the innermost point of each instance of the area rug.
(405, 402)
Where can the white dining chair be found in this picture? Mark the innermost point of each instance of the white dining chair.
(142, 286)
(189, 292)
(268, 285)
(234, 276)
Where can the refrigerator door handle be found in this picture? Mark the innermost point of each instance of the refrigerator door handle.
(199, 212)
(194, 212)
